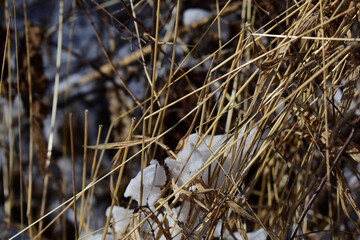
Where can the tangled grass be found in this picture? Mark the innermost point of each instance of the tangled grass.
(288, 73)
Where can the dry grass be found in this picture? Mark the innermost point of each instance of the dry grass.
(280, 72)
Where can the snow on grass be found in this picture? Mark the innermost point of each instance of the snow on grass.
(120, 218)
(154, 176)
(259, 234)
(196, 152)
(191, 159)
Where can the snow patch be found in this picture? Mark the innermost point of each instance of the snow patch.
(191, 159)
(120, 218)
(192, 15)
(228, 150)
(154, 177)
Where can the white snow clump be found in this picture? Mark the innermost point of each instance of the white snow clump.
(259, 234)
(154, 176)
(120, 218)
(192, 15)
(189, 161)
(198, 156)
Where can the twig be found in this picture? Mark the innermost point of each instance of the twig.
(106, 53)
(324, 179)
